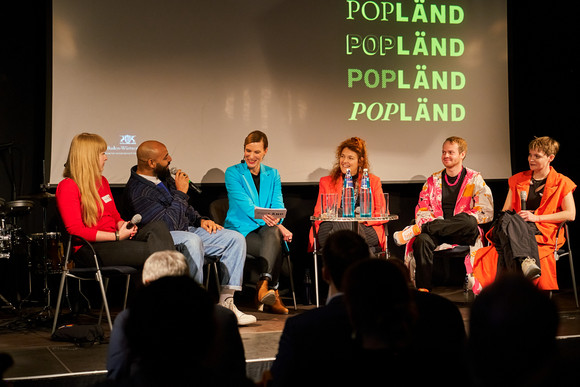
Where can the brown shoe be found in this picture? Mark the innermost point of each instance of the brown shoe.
(278, 307)
(264, 296)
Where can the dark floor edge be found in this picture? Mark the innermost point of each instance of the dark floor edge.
(255, 368)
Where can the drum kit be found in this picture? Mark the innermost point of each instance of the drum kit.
(38, 254)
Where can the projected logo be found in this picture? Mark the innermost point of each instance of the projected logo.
(127, 146)
(127, 139)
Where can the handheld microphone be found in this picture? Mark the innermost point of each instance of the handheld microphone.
(523, 199)
(173, 172)
(134, 221)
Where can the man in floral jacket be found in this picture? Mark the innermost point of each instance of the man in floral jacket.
(452, 203)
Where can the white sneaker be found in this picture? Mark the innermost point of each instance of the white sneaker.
(530, 269)
(243, 319)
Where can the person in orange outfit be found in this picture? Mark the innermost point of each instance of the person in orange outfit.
(351, 154)
(549, 201)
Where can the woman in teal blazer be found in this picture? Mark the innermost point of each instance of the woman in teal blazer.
(251, 184)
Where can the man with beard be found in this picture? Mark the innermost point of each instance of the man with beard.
(452, 203)
(152, 192)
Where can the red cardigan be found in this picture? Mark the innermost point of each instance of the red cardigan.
(68, 200)
(326, 186)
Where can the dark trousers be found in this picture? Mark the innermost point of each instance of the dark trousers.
(367, 232)
(460, 229)
(514, 239)
(150, 238)
(265, 243)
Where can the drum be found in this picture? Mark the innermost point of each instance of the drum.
(5, 241)
(19, 207)
(54, 251)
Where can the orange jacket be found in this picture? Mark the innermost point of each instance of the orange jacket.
(326, 186)
(557, 187)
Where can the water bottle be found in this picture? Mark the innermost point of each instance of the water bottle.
(366, 197)
(348, 199)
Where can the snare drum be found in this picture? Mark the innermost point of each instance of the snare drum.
(54, 250)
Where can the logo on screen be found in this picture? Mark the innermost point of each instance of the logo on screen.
(127, 139)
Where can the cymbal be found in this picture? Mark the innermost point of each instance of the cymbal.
(39, 196)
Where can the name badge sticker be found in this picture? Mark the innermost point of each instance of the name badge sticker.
(107, 198)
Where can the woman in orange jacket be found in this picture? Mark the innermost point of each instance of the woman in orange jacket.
(549, 201)
(351, 154)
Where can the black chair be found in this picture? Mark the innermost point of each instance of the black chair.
(97, 273)
(566, 251)
(446, 266)
(218, 210)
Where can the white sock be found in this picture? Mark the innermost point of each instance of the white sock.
(225, 294)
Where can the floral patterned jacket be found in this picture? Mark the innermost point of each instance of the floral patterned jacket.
(474, 198)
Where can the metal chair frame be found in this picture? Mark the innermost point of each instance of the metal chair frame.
(563, 252)
(97, 273)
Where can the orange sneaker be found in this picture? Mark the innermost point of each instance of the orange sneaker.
(403, 237)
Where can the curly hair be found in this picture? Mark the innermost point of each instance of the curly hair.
(358, 146)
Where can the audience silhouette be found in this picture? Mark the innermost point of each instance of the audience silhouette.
(512, 335)
(169, 336)
(320, 339)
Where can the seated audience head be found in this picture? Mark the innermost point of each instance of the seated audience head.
(171, 329)
(165, 263)
(6, 361)
(512, 332)
(380, 305)
(351, 154)
(343, 248)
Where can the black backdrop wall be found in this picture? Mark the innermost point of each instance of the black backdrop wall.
(543, 79)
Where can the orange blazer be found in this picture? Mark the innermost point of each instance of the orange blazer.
(557, 187)
(326, 186)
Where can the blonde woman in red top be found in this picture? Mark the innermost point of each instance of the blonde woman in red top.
(87, 208)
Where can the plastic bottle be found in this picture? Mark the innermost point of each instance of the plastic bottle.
(348, 199)
(366, 197)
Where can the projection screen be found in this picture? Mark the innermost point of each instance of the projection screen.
(200, 75)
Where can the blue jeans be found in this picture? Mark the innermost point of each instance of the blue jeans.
(226, 246)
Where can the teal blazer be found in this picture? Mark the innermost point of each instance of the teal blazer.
(243, 196)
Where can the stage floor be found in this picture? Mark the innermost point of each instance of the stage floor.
(39, 360)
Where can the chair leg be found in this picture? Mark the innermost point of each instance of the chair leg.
(291, 279)
(99, 278)
(106, 284)
(572, 269)
(127, 283)
(58, 301)
(316, 278)
(217, 277)
(207, 274)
